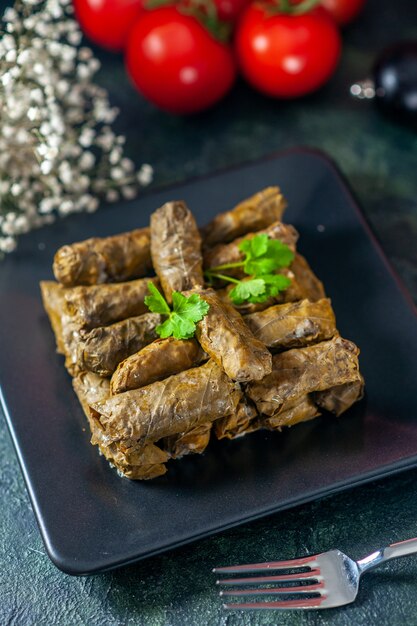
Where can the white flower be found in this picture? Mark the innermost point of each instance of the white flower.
(46, 167)
(87, 160)
(7, 244)
(145, 174)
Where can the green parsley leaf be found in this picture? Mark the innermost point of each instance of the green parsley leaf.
(156, 301)
(275, 283)
(183, 316)
(259, 289)
(247, 290)
(264, 255)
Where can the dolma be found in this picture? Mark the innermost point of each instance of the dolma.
(295, 324)
(145, 462)
(156, 361)
(225, 337)
(304, 286)
(258, 211)
(169, 407)
(99, 305)
(67, 334)
(100, 350)
(301, 371)
(53, 302)
(104, 259)
(223, 254)
(176, 248)
(194, 441)
(239, 423)
(339, 399)
(302, 409)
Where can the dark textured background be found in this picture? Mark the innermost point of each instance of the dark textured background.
(380, 161)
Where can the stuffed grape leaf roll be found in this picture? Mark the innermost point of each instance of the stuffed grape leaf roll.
(223, 254)
(104, 259)
(158, 360)
(176, 248)
(99, 305)
(239, 423)
(169, 407)
(224, 335)
(295, 324)
(258, 211)
(304, 286)
(302, 371)
(142, 462)
(339, 399)
(101, 349)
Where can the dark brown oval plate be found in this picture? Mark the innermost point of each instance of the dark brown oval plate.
(90, 519)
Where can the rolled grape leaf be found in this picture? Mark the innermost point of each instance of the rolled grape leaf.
(254, 213)
(142, 462)
(339, 399)
(194, 441)
(176, 248)
(304, 286)
(100, 350)
(224, 335)
(106, 259)
(156, 361)
(169, 407)
(99, 305)
(302, 409)
(53, 302)
(223, 254)
(239, 423)
(302, 371)
(295, 324)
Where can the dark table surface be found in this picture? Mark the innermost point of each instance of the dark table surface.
(379, 159)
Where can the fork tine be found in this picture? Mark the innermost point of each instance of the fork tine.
(302, 603)
(313, 574)
(309, 561)
(316, 588)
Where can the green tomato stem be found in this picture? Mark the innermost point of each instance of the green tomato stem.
(285, 6)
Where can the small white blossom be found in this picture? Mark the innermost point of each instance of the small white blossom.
(145, 174)
(7, 244)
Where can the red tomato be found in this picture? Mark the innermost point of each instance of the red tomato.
(107, 22)
(230, 10)
(287, 56)
(176, 63)
(343, 11)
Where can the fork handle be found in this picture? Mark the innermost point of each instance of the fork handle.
(393, 551)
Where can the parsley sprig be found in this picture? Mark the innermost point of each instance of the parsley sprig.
(262, 257)
(182, 318)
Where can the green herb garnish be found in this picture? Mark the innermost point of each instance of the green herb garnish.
(182, 318)
(263, 257)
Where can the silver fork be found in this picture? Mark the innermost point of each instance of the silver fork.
(332, 578)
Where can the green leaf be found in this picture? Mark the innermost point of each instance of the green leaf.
(254, 247)
(265, 255)
(259, 289)
(247, 290)
(275, 283)
(156, 301)
(183, 317)
(193, 308)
